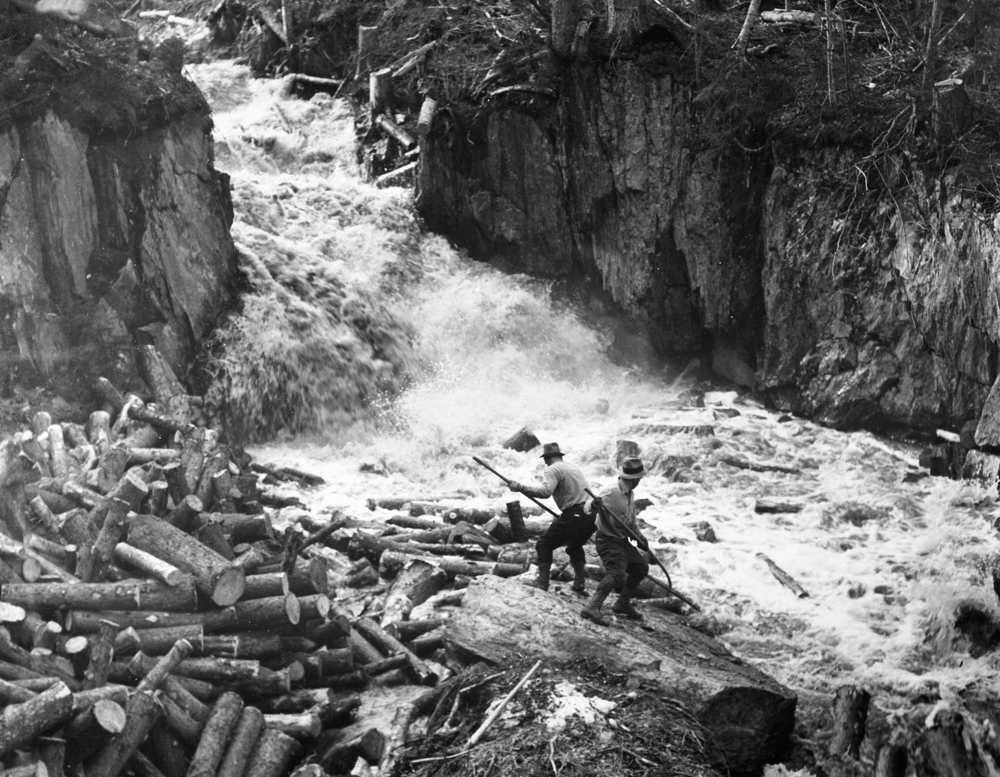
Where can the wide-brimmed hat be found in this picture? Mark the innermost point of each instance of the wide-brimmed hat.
(632, 468)
(550, 449)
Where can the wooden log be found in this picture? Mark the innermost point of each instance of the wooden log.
(159, 420)
(92, 729)
(177, 688)
(273, 612)
(111, 532)
(214, 575)
(52, 751)
(171, 754)
(299, 724)
(33, 565)
(21, 723)
(391, 646)
(57, 451)
(850, 713)
(11, 672)
(103, 647)
(218, 728)
(266, 684)
(215, 670)
(185, 514)
(324, 663)
(244, 738)
(124, 595)
(408, 630)
(88, 621)
(260, 586)
(426, 118)
(415, 584)
(272, 754)
(148, 564)
(177, 485)
(299, 700)
(362, 649)
(770, 505)
(387, 664)
(427, 644)
(335, 752)
(253, 646)
(153, 677)
(211, 536)
(516, 517)
(158, 374)
(240, 527)
(10, 693)
(158, 642)
(367, 38)
(111, 395)
(184, 727)
(43, 665)
(112, 692)
(141, 713)
(379, 92)
(783, 577)
(156, 502)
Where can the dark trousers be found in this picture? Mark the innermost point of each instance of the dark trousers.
(624, 562)
(572, 529)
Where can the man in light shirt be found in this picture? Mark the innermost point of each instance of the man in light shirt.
(566, 484)
(620, 544)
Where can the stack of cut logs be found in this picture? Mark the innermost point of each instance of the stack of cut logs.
(153, 621)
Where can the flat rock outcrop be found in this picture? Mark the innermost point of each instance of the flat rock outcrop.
(749, 715)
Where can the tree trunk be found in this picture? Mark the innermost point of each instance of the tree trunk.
(743, 40)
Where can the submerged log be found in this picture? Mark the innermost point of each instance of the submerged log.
(783, 577)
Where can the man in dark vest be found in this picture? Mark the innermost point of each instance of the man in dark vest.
(620, 544)
(566, 484)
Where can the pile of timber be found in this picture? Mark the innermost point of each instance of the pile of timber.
(153, 621)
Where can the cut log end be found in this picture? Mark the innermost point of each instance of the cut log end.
(229, 587)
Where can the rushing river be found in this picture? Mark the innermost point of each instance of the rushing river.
(476, 355)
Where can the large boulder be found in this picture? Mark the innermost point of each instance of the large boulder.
(749, 715)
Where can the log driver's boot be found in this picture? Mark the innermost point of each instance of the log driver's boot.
(624, 605)
(592, 612)
(579, 577)
(542, 580)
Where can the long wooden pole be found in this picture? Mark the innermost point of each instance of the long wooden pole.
(482, 463)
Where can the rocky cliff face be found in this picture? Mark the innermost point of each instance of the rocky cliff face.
(752, 254)
(108, 241)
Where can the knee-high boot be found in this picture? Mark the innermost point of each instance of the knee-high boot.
(542, 580)
(624, 604)
(592, 612)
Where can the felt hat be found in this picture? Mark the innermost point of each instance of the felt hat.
(551, 449)
(631, 468)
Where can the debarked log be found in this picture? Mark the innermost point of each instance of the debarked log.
(393, 560)
(214, 575)
(124, 595)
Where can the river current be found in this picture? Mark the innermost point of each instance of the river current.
(886, 560)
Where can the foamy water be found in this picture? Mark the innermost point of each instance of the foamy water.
(884, 562)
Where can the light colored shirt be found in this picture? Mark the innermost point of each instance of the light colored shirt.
(564, 482)
(622, 507)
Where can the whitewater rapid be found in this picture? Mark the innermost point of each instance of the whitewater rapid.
(885, 559)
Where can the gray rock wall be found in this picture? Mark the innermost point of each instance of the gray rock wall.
(108, 242)
(875, 310)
